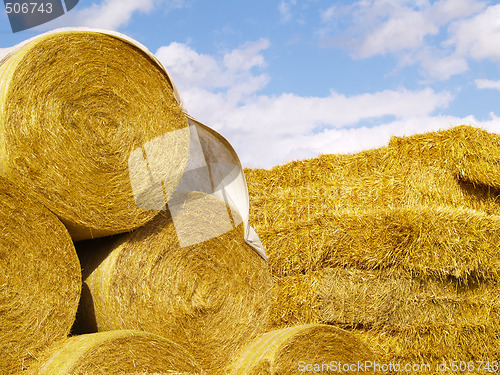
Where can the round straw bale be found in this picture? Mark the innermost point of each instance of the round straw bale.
(317, 348)
(40, 279)
(115, 353)
(74, 105)
(210, 296)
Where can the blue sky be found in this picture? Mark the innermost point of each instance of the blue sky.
(292, 79)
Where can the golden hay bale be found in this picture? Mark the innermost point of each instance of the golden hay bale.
(315, 347)
(471, 153)
(40, 279)
(458, 167)
(424, 240)
(115, 352)
(404, 320)
(435, 344)
(384, 300)
(74, 105)
(210, 296)
(295, 300)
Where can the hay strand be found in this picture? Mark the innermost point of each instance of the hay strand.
(115, 353)
(313, 347)
(210, 296)
(40, 279)
(74, 105)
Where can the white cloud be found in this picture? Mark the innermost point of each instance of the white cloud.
(110, 14)
(266, 130)
(405, 30)
(487, 84)
(479, 36)
(440, 66)
(350, 140)
(377, 26)
(285, 10)
(444, 11)
(232, 76)
(413, 31)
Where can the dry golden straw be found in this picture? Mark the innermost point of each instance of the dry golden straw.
(383, 299)
(457, 167)
(435, 344)
(73, 106)
(401, 243)
(311, 348)
(403, 319)
(424, 240)
(40, 279)
(209, 297)
(116, 353)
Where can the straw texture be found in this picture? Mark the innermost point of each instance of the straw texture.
(458, 167)
(293, 350)
(40, 279)
(115, 353)
(425, 240)
(436, 344)
(399, 244)
(384, 299)
(210, 297)
(73, 106)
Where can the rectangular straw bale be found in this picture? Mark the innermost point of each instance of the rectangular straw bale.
(404, 319)
(296, 300)
(385, 300)
(441, 241)
(472, 153)
(390, 300)
(435, 344)
(458, 167)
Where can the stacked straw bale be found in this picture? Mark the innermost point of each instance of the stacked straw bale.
(354, 298)
(457, 167)
(209, 297)
(424, 240)
(317, 348)
(74, 104)
(115, 353)
(400, 244)
(40, 279)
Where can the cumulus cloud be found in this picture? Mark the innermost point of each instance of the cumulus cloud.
(478, 36)
(233, 77)
(225, 92)
(349, 140)
(439, 36)
(110, 14)
(487, 84)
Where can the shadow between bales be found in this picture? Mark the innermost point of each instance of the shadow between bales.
(481, 193)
